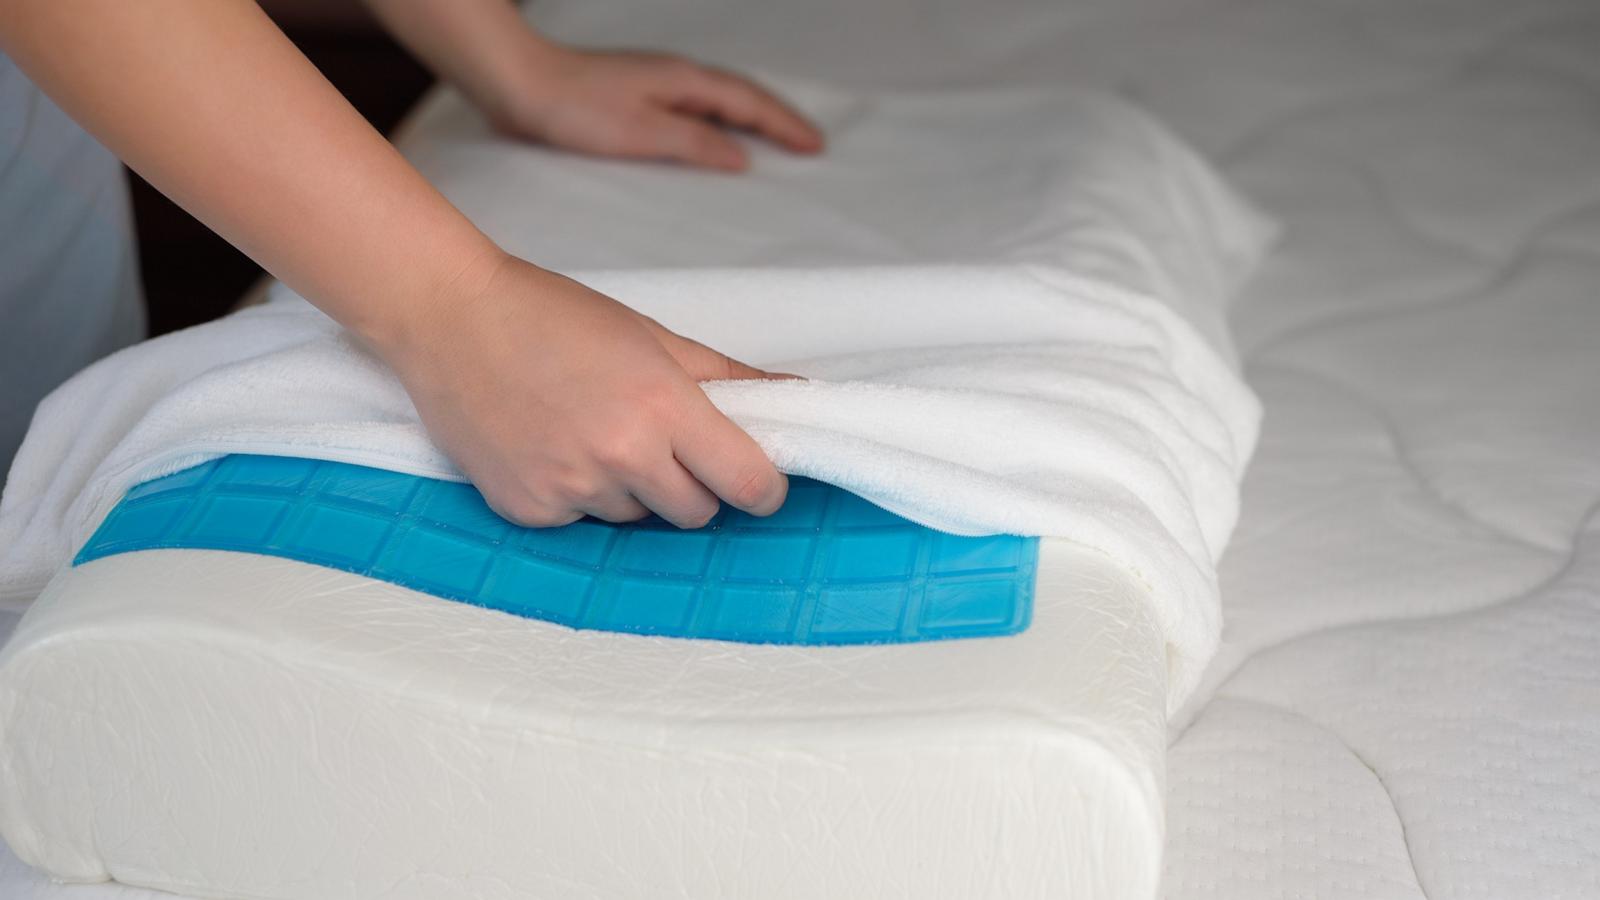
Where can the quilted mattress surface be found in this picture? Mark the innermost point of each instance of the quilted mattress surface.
(215, 723)
(1407, 702)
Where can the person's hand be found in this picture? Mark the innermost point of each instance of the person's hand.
(639, 106)
(557, 401)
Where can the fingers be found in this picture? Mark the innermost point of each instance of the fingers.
(681, 133)
(726, 462)
(677, 468)
(705, 364)
(741, 102)
(676, 496)
(693, 141)
(729, 462)
(738, 371)
(528, 513)
(614, 506)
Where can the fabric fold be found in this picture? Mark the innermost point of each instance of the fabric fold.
(1087, 393)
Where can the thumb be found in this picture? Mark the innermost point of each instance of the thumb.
(705, 364)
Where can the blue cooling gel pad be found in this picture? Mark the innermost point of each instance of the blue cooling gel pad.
(828, 568)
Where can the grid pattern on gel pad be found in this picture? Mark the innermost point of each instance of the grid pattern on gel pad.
(827, 568)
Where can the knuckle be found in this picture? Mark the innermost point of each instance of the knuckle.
(527, 512)
(657, 404)
(626, 446)
(581, 489)
(556, 520)
(633, 514)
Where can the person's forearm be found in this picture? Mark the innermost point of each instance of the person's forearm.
(476, 45)
(215, 107)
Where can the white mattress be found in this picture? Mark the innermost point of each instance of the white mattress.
(1408, 699)
(301, 733)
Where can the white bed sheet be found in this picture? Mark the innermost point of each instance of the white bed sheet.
(1408, 699)
(535, 761)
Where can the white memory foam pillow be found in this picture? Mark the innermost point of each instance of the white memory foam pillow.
(235, 725)
(245, 726)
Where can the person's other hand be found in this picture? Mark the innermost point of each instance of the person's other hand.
(640, 106)
(557, 401)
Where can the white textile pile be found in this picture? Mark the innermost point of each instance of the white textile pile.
(1009, 308)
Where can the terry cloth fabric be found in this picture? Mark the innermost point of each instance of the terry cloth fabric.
(1089, 397)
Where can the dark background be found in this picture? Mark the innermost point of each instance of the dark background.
(190, 275)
